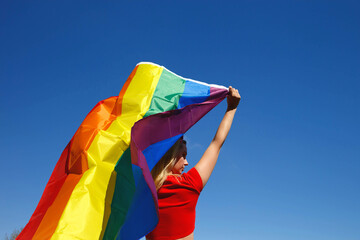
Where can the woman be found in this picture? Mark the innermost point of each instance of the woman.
(178, 193)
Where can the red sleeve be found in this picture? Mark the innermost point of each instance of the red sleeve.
(192, 177)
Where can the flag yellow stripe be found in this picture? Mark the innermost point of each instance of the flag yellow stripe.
(83, 215)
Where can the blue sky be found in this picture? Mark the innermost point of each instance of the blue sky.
(290, 166)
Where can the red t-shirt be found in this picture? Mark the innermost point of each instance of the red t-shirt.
(177, 201)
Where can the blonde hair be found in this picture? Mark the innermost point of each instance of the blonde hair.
(164, 166)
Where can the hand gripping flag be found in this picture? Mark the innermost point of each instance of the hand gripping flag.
(101, 187)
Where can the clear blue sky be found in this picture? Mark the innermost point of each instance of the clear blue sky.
(290, 168)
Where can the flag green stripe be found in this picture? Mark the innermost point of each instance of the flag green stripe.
(166, 97)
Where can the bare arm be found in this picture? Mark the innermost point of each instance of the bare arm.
(206, 164)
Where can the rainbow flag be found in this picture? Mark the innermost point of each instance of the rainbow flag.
(101, 187)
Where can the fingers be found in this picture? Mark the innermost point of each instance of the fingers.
(231, 89)
(233, 92)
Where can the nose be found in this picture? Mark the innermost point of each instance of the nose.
(186, 162)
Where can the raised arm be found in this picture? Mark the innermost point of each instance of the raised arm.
(206, 164)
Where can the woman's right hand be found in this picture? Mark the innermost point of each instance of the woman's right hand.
(233, 98)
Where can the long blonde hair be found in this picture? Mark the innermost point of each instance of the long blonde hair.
(164, 166)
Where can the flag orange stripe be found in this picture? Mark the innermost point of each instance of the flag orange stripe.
(53, 213)
(70, 167)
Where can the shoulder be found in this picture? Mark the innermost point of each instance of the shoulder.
(188, 180)
(192, 177)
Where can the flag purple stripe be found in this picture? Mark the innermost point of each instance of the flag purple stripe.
(161, 126)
